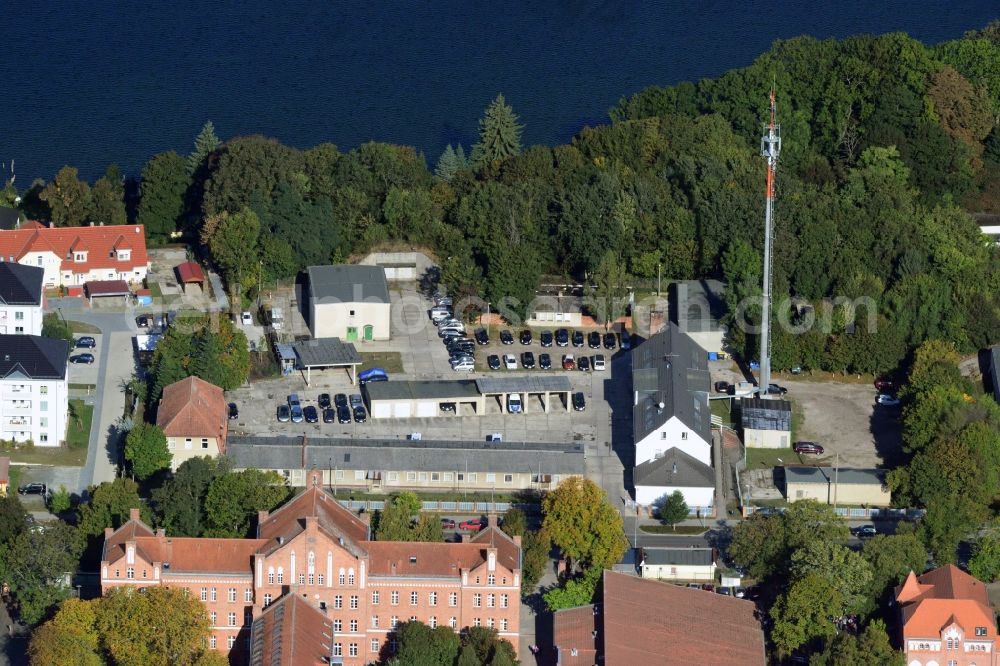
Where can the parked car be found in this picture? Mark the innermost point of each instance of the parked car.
(482, 337)
(808, 447)
(506, 338)
(284, 414)
(246, 318)
(594, 340)
(295, 407)
(866, 532)
(142, 321)
(357, 400)
(776, 389)
(447, 523)
(329, 415)
(448, 407)
(562, 337)
(82, 358)
(324, 400)
(545, 338)
(577, 338)
(626, 341)
(509, 362)
(579, 401)
(343, 414)
(474, 525)
(887, 400)
(544, 362)
(447, 321)
(234, 411)
(310, 414)
(583, 363)
(439, 313)
(443, 301)
(451, 333)
(610, 341)
(885, 385)
(360, 415)
(86, 342)
(32, 489)
(525, 337)
(514, 403)
(493, 361)
(372, 374)
(721, 387)
(528, 360)
(599, 363)
(568, 362)
(339, 399)
(464, 364)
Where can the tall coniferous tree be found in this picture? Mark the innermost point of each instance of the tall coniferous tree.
(499, 134)
(204, 144)
(447, 164)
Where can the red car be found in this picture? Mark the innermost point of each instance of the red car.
(885, 385)
(474, 525)
(808, 447)
(569, 363)
(447, 523)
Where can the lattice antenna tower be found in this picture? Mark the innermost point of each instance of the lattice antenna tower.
(770, 148)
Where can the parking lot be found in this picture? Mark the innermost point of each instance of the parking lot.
(86, 373)
(424, 357)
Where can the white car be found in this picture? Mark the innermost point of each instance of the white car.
(887, 400)
(466, 364)
(510, 361)
(514, 403)
(246, 319)
(599, 362)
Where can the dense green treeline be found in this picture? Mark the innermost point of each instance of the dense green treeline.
(889, 145)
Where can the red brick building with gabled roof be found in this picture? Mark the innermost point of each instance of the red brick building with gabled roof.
(643, 621)
(315, 549)
(76, 255)
(946, 619)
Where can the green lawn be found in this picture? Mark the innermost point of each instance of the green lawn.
(60, 456)
(154, 290)
(78, 432)
(391, 362)
(83, 387)
(721, 408)
(667, 529)
(83, 327)
(765, 458)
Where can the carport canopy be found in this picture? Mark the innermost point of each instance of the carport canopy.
(420, 398)
(543, 385)
(101, 288)
(327, 353)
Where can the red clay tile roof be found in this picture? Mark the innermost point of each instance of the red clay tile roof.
(508, 552)
(193, 408)
(290, 632)
(652, 622)
(100, 243)
(573, 634)
(338, 522)
(194, 554)
(107, 288)
(190, 271)
(432, 559)
(946, 595)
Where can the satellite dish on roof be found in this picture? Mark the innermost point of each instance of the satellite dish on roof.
(661, 405)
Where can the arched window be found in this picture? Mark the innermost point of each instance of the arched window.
(281, 575)
(340, 577)
(350, 576)
(270, 575)
(312, 562)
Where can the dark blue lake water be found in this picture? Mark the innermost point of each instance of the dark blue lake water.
(89, 83)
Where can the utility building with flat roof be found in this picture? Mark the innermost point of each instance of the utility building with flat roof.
(349, 302)
(767, 423)
(837, 485)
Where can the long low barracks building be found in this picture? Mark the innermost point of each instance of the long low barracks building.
(314, 549)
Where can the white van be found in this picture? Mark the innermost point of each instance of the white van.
(514, 403)
(277, 319)
(440, 313)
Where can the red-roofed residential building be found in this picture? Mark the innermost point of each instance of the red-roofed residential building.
(315, 549)
(75, 255)
(193, 416)
(946, 619)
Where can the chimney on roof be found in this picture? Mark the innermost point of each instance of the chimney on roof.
(491, 520)
(517, 540)
(108, 531)
(134, 514)
(261, 517)
(161, 533)
(310, 523)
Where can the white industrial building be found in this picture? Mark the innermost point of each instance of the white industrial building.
(34, 397)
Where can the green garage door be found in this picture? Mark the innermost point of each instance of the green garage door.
(369, 332)
(352, 333)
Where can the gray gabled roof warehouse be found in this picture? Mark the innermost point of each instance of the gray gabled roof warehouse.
(33, 357)
(348, 283)
(670, 369)
(397, 454)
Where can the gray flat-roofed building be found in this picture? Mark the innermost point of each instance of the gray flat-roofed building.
(390, 464)
(326, 353)
(767, 422)
(697, 308)
(404, 399)
(690, 563)
(349, 302)
(846, 486)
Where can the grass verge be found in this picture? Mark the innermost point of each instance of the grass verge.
(391, 362)
(667, 529)
(78, 431)
(60, 456)
(82, 387)
(83, 327)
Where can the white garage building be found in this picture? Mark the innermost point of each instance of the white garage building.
(405, 399)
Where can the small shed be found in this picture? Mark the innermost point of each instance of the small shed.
(107, 289)
(848, 486)
(286, 358)
(691, 563)
(767, 423)
(189, 273)
(327, 353)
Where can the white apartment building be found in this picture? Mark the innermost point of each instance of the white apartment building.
(34, 392)
(20, 299)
